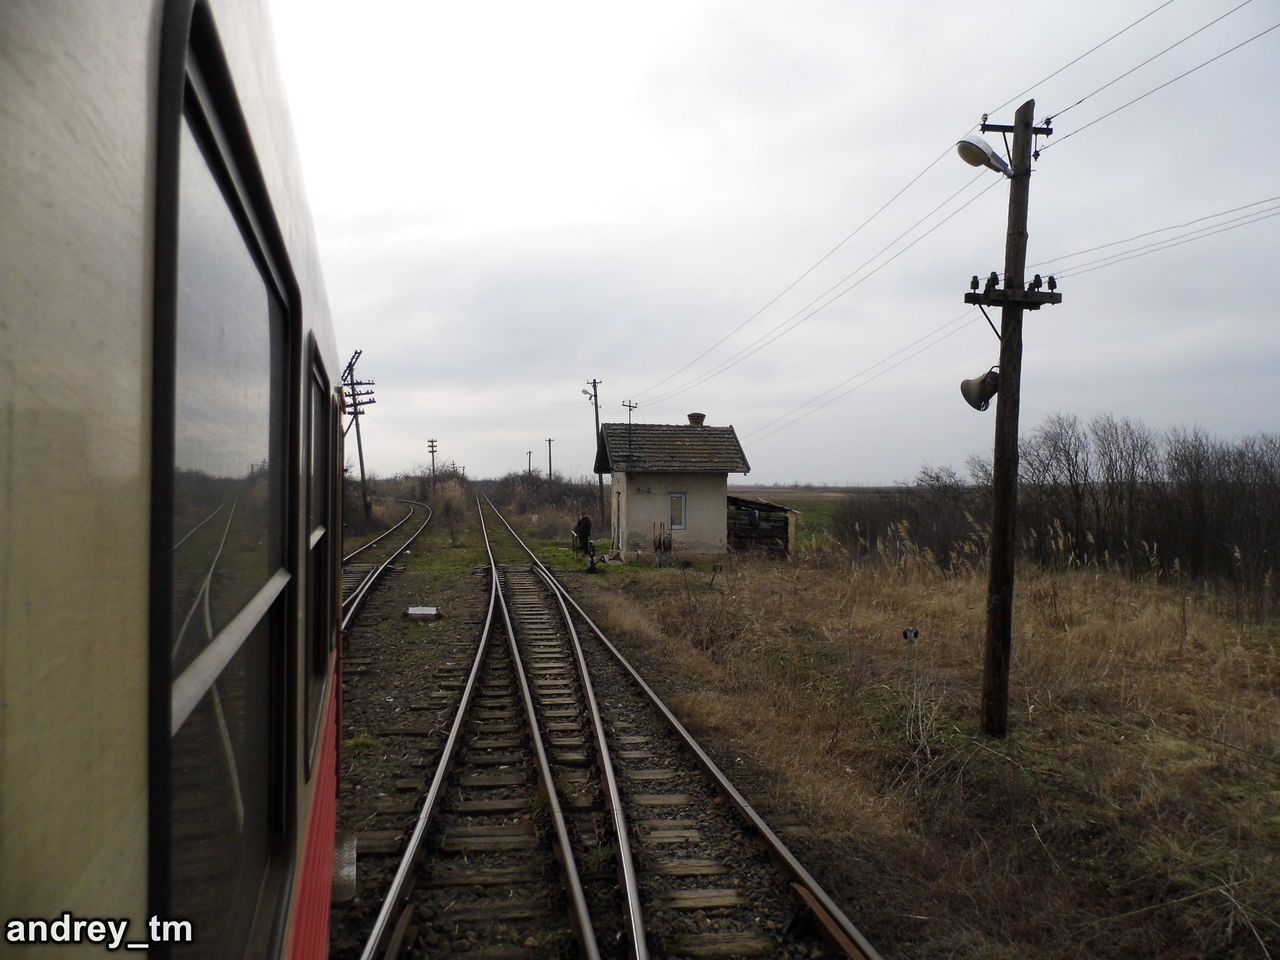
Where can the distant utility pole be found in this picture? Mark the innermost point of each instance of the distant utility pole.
(630, 406)
(1012, 300)
(595, 400)
(529, 468)
(549, 442)
(432, 444)
(356, 399)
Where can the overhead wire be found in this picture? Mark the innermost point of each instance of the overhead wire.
(1169, 244)
(791, 286)
(1155, 56)
(800, 316)
(868, 380)
(762, 432)
(860, 373)
(865, 223)
(1066, 271)
(1148, 233)
(1081, 57)
(792, 322)
(1130, 103)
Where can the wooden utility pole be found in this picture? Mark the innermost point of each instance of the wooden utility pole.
(630, 406)
(529, 469)
(1012, 300)
(432, 445)
(549, 442)
(356, 399)
(595, 400)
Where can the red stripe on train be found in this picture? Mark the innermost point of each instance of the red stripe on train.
(311, 920)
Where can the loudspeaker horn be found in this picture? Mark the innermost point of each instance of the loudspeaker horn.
(979, 391)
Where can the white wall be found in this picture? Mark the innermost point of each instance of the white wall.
(646, 503)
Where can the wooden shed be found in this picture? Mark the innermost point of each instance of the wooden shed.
(760, 525)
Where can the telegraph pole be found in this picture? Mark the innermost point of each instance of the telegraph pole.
(549, 442)
(595, 400)
(356, 399)
(630, 406)
(529, 468)
(432, 445)
(1012, 300)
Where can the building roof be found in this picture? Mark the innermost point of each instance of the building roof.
(668, 448)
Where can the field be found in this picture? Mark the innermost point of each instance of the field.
(1131, 813)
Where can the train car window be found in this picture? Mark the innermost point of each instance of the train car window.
(319, 616)
(231, 375)
(229, 398)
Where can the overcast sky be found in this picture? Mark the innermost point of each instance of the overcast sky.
(514, 198)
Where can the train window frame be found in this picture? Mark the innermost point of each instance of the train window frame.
(196, 93)
(318, 616)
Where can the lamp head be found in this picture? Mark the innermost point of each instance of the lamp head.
(979, 391)
(977, 152)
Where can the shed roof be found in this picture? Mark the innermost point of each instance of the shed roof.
(669, 448)
(737, 500)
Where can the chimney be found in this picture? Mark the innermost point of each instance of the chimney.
(696, 419)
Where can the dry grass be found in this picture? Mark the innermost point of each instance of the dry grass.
(1132, 813)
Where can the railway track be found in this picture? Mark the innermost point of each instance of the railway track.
(358, 578)
(569, 813)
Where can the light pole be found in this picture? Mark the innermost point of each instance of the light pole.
(1012, 300)
(594, 394)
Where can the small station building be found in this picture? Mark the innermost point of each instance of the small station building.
(670, 479)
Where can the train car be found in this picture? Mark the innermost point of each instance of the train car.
(169, 465)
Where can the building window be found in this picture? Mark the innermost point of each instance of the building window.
(677, 517)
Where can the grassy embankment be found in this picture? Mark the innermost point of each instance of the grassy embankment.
(1133, 812)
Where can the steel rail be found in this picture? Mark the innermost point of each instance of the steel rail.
(190, 533)
(352, 603)
(633, 916)
(579, 915)
(402, 884)
(403, 520)
(838, 927)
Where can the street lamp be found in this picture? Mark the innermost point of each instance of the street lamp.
(977, 152)
(1005, 385)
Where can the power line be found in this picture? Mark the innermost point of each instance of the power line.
(862, 372)
(787, 289)
(1122, 256)
(797, 280)
(1148, 233)
(1187, 73)
(762, 432)
(1081, 57)
(871, 379)
(800, 316)
(1150, 58)
(1066, 271)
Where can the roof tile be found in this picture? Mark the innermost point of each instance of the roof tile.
(669, 448)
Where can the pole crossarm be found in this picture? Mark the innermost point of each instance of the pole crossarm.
(1012, 128)
(1026, 299)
